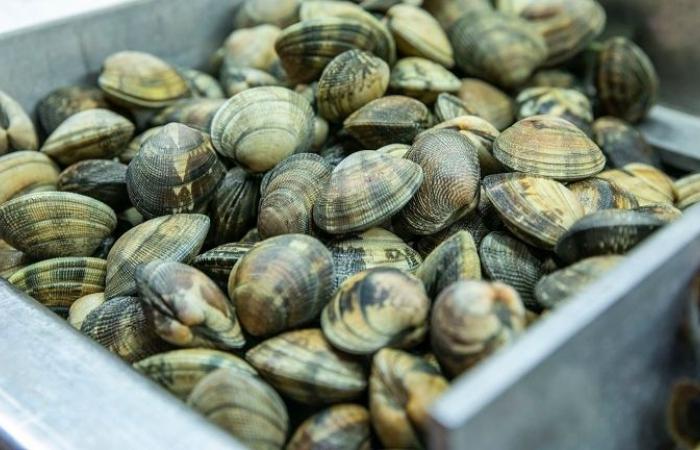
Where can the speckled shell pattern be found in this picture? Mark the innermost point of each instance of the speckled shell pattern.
(596, 194)
(454, 259)
(422, 79)
(568, 104)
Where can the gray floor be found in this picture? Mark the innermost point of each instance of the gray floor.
(23, 13)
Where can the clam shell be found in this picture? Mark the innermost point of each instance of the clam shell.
(596, 194)
(179, 371)
(100, 179)
(607, 232)
(193, 112)
(548, 146)
(498, 48)
(622, 143)
(218, 262)
(141, 80)
(556, 287)
(471, 320)
(653, 177)
(510, 261)
(364, 190)
(481, 134)
(236, 79)
(256, 12)
(251, 237)
(82, 307)
(456, 258)
(186, 307)
(135, 144)
(402, 387)
(95, 133)
(393, 119)
(555, 78)
(51, 224)
(260, 127)
(17, 131)
(539, 210)
(63, 102)
(11, 260)
(252, 47)
(244, 406)
(649, 186)
(682, 412)
(568, 104)
(344, 426)
(23, 172)
(688, 189)
(281, 283)
(233, 208)
(201, 84)
(422, 79)
(350, 81)
(488, 102)
(321, 132)
(376, 308)
(173, 238)
(450, 187)
(289, 192)
(176, 170)
(448, 11)
(417, 33)
(449, 107)
(662, 211)
(395, 150)
(303, 366)
(57, 283)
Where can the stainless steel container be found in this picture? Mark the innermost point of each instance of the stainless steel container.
(594, 374)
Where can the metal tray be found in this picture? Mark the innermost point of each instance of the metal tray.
(594, 374)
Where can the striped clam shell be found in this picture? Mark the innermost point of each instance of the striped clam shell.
(23, 172)
(196, 113)
(568, 104)
(236, 79)
(234, 207)
(201, 84)
(488, 102)
(135, 144)
(449, 107)
(101, 179)
(596, 194)
(417, 33)
(646, 183)
(17, 130)
(344, 426)
(623, 144)
(454, 259)
(11, 260)
(218, 262)
(663, 211)
(688, 189)
(63, 102)
(82, 307)
(422, 79)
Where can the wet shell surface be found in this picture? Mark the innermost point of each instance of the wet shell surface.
(448, 11)
(179, 371)
(255, 12)
(17, 130)
(193, 112)
(596, 194)
(568, 104)
(52, 224)
(141, 80)
(218, 262)
(101, 179)
(186, 307)
(622, 143)
(58, 282)
(471, 320)
(23, 172)
(260, 127)
(539, 210)
(548, 146)
(688, 189)
(95, 133)
(176, 171)
(376, 308)
(63, 102)
(305, 367)
(11, 260)
(454, 259)
(135, 144)
(449, 107)
(236, 79)
(244, 406)
(252, 47)
(646, 183)
(487, 102)
(417, 33)
(364, 190)
(422, 79)
(234, 206)
(662, 211)
(83, 306)
(396, 150)
(172, 238)
(201, 84)
(283, 282)
(345, 426)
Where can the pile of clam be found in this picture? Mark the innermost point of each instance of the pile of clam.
(365, 201)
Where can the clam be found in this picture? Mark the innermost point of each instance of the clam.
(281, 283)
(568, 104)
(17, 131)
(548, 146)
(141, 80)
(23, 172)
(422, 79)
(364, 190)
(375, 247)
(63, 102)
(218, 262)
(288, 194)
(487, 102)
(306, 47)
(538, 210)
(350, 81)
(82, 307)
(449, 107)
(277, 12)
(510, 261)
(596, 194)
(417, 33)
(303, 366)
(448, 11)
(688, 189)
(471, 320)
(321, 133)
(186, 307)
(344, 426)
(233, 208)
(11, 260)
(51, 224)
(394, 119)
(127, 220)
(252, 47)
(244, 406)
(121, 326)
(236, 79)
(626, 80)
(382, 6)
(173, 238)
(193, 112)
(653, 177)
(58, 282)
(176, 170)
(135, 144)
(555, 78)
(402, 387)
(251, 237)
(201, 84)
(395, 150)
(179, 371)
(622, 143)
(607, 232)
(260, 127)
(646, 183)
(481, 134)
(376, 308)
(682, 413)
(556, 287)
(662, 211)
(456, 258)
(95, 133)
(450, 187)
(501, 49)
(101, 179)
